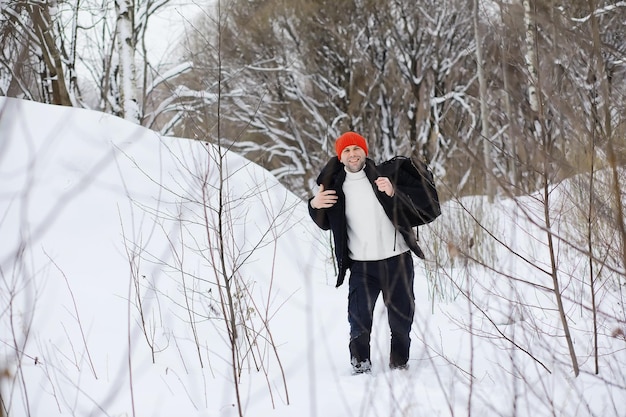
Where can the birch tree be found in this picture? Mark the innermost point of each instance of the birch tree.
(126, 45)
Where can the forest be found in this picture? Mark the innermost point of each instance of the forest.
(499, 97)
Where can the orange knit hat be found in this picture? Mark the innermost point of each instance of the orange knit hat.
(347, 139)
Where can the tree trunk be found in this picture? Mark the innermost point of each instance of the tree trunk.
(54, 77)
(484, 113)
(16, 86)
(542, 135)
(531, 57)
(124, 11)
(512, 129)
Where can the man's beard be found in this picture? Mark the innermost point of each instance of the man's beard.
(358, 168)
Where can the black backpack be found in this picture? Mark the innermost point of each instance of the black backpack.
(415, 181)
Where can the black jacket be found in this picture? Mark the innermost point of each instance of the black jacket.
(332, 177)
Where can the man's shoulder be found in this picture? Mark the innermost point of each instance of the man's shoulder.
(329, 172)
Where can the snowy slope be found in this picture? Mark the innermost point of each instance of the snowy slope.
(108, 304)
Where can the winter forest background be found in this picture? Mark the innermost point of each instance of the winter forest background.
(516, 100)
(286, 77)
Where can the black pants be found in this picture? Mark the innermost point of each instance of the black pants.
(394, 278)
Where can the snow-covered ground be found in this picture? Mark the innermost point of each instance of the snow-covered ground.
(108, 303)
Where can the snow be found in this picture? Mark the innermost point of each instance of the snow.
(104, 227)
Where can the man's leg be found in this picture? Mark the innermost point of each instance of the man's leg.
(363, 291)
(400, 301)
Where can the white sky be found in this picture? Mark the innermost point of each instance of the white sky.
(167, 27)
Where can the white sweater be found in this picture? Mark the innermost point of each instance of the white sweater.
(371, 235)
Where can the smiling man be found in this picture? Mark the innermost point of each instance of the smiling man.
(372, 240)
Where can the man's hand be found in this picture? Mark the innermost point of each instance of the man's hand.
(385, 186)
(324, 198)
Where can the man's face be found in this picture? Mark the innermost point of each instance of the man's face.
(353, 157)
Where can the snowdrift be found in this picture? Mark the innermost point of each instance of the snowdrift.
(114, 241)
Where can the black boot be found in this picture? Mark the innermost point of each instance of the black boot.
(364, 367)
(399, 357)
(360, 354)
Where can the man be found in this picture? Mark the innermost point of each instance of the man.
(372, 238)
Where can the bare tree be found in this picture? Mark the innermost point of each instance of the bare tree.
(374, 73)
(34, 51)
(221, 300)
(544, 136)
(84, 53)
(484, 116)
